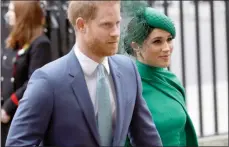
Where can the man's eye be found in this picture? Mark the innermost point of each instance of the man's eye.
(157, 41)
(107, 24)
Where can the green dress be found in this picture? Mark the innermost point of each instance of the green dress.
(165, 97)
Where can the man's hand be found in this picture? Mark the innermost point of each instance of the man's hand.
(5, 118)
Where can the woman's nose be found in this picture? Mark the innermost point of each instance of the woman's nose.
(166, 47)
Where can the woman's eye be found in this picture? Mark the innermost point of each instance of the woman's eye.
(170, 39)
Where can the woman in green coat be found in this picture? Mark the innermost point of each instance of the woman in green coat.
(149, 37)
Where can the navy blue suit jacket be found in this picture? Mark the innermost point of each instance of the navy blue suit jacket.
(56, 107)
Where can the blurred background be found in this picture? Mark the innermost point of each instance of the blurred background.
(200, 57)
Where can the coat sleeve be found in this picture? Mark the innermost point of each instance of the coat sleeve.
(142, 131)
(32, 117)
(39, 55)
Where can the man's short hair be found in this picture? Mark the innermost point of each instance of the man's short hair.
(85, 9)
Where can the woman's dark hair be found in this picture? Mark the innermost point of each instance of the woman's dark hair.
(137, 31)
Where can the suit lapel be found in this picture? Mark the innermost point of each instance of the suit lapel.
(81, 92)
(117, 79)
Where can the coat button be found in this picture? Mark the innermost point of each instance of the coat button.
(12, 79)
(70, 30)
(2, 79)
(14, 60)
(4, 57)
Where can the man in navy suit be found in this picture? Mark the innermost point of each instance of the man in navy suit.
(89, 97)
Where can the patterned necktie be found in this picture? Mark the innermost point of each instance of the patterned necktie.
(104, 107)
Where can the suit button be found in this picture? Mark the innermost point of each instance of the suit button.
(4, 57)
(12, 79)
(2, 78)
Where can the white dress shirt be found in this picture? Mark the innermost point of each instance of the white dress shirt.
(90, 73)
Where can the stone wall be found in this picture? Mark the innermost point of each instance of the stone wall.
(221, 140)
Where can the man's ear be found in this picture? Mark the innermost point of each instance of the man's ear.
(80, 25)
(135, 46)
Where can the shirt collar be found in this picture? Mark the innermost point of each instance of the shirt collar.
(88, 65)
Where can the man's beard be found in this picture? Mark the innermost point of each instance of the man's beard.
(101, 49)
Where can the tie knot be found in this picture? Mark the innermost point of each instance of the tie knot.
(101, 71)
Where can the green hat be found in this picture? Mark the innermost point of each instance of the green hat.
(156, 19)
(143, 19)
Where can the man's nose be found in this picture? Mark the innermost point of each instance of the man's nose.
(115, 31)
